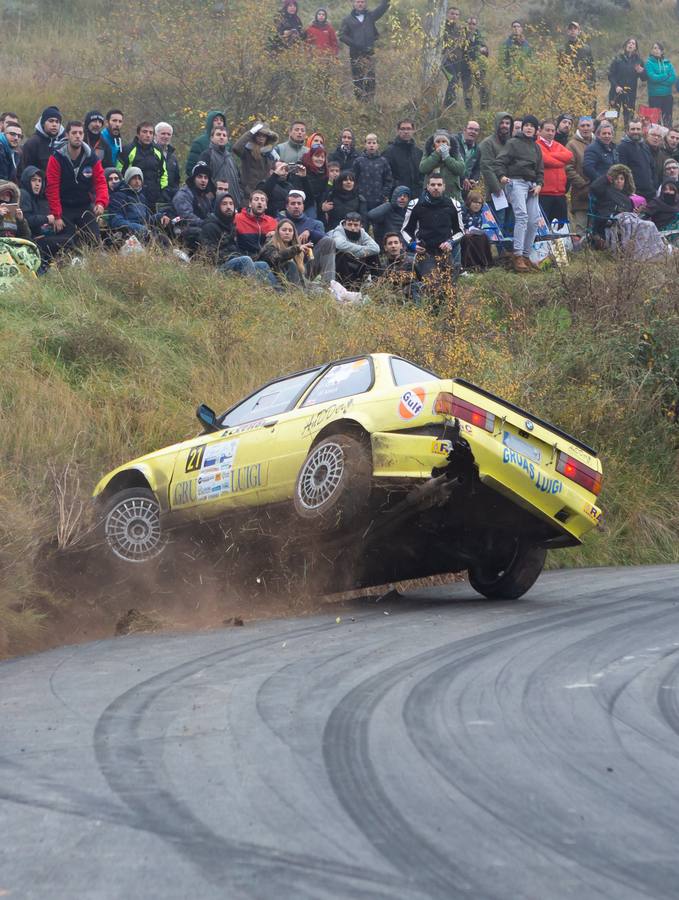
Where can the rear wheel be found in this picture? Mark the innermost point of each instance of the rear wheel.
(510, 577)
(130, 526)
(333, 485)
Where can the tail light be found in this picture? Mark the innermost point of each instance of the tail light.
(579, 473)
(449, 405)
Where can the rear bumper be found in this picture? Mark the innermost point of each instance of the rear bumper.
(534, 486)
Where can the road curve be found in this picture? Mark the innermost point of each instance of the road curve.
(455, 747)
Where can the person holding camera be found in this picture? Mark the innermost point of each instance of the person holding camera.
(285, 177)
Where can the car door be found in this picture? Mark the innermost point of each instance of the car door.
(230, 468)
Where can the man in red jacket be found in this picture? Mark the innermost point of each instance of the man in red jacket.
(253, 224)
(76, 191)
(555, 157)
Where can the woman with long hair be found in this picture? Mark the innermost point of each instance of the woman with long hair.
(624, 74)
(284, 253)
(661, 78)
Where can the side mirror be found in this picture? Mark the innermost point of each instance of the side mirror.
(207, 417)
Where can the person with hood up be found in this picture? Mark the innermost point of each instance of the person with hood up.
(202, 142)
(359, 32)
(578, 181)
(37, 214)
(218, 241)
(112, 134)
(520, 170)
(13, 223)
(357, 255)
(476, 249)
(612, 193)
(128, 210)
(77, 192)
(193, 203)
(48, 134)
(344, 198)
(555, 159)
(254, 148)
(601, 154)
(624, 74)
(633, 151)
(661, 80)
(321, 35)
(489, 148)
(145, 155)
(404, 156)
(223, 169)
(345, 153)
(388, 217)
(441, 154)
(663, 210)
(373, 173)
(289, 28)
(94, 125)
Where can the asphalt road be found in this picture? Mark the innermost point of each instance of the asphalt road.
(453, 748)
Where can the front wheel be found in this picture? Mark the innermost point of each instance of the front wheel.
(511, 578)
(130, 526)
(334, 483)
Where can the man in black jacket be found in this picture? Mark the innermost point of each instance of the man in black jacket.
(48, 132)
(634, 152)
(404, 156)
(432, 228)
(218, 241)
(359, 33)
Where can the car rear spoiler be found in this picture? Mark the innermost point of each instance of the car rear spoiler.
(527, 415)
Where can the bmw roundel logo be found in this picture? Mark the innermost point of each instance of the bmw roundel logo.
(529, 425)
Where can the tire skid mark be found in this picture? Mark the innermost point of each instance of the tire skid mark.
(423, 706)
(355, 777)
(668, 699)
(135, 771)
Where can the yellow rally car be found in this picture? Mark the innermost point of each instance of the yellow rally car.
(401, 473)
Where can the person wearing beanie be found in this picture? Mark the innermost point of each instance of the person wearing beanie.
(443, 157)
(129, 210)
(519, 168)
(145, 155)
(564, 126)
(48, 133)
(218, 242)
(194, 202)
(321, 35)
(388, 217)
(489, 148)
(94, 125)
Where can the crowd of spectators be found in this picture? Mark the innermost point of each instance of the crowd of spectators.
(302, 211)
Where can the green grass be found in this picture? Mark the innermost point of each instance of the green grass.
(109, 361)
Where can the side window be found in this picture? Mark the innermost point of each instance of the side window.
(342, 380)
(405, 372)
(269, 401)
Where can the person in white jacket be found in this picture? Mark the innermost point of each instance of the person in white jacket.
(357, 254)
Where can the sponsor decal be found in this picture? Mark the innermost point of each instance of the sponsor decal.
(184, 492)
(219, 455)
(211, 484)
(539, 480)
(442, 448)
(592, 512)
(411, 403)
(246, 478)
(242, 429)
(334, 411)
(195, 458)
(529, 425)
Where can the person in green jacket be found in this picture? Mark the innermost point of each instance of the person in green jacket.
(444, 157)
(661, 79)
(202, 142)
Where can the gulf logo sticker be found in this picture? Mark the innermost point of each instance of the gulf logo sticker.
(411, 403)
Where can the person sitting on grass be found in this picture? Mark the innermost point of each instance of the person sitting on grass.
(129, 212)
(285, 255)
(37, 214)
(218, 241)
(476, 249)
(357, 254)
(13, 223)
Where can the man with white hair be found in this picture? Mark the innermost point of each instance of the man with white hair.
(654, 140)
(163, 136)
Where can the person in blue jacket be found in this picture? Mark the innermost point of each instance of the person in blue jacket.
(661, 79)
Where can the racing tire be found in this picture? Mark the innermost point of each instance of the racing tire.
(130, 527)
(333, 485)
(514, 578)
